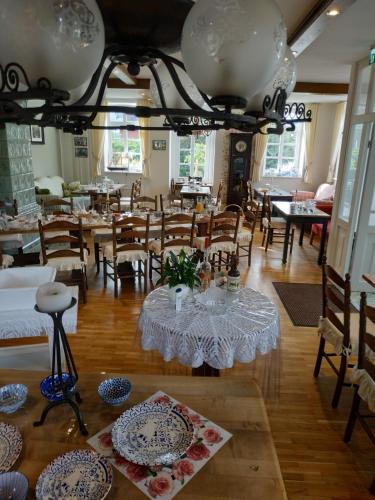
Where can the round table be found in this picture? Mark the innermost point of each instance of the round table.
(198, 338)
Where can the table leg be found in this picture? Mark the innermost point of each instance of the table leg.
(286, 241)
(322, 243)
(302, 232)
(205, 370)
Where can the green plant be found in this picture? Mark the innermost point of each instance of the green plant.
(180, 269)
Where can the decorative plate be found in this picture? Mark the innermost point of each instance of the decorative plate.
(79, 474)
(12, 397)
(152, 434)
(10, 446)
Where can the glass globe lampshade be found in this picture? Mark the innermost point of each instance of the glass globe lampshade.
(172, 96)
(233, 47)
(55, 39)
(285, 78)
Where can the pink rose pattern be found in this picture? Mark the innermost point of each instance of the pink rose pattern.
(158, 479)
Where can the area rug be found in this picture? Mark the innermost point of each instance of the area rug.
(302, 301)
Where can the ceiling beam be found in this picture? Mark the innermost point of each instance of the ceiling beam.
(321, 88)
(315, 23)
(140, 83)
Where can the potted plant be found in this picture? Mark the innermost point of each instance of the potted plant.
(180, 271)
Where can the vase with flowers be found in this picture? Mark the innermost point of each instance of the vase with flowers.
(180, 271)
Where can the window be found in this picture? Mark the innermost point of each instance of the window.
(284, 154)
(192, 155)
(123, 147)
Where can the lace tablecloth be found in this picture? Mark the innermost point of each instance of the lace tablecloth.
(194, 336)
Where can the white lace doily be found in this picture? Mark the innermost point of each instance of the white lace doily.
(193, 336)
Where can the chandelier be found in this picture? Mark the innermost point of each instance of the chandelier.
(235, 70)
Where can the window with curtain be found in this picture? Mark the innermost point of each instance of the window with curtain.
(123, 147)
(192, 155)
(284, 154)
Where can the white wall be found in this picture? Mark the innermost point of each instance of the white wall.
(46, 157)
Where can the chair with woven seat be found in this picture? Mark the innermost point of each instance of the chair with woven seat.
(145, 204)
(363, 376)
(126, 202)
(130, 239)
(274, 228)
(336, 328)
(245, 235)
(222, 238)
(56, 240)
(13, 241)
(178, 232)
(58, 206)
(174, 197)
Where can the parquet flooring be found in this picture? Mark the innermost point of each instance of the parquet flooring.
(315, 462)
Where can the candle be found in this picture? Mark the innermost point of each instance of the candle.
(53, 297)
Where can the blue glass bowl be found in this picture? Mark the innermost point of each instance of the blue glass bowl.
(115, 391)
(13, 485)
(55, 393)
(12, 397)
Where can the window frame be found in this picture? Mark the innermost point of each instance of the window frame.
(299, 155)
(108, 166)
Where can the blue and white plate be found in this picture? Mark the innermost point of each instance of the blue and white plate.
(152, 434)
(79, 474)
(12, 397)
(10, 446)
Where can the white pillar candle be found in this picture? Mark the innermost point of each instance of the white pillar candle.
(53, 297)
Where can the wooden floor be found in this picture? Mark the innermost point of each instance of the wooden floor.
(315, 462)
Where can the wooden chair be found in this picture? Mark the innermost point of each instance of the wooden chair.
(72, 260)
(222, 238)
(245, 236)
(145, 204)
(274, 228)
(168, 202)
(102, 203)
(218, 199)
(364, 376)
(178, 232)
(130, 239)
(126, 202)
(58, 206)
(13, 241)
(335, 328)
(253, 207)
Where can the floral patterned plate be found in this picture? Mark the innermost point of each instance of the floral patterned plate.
(79, 474)
(10, 446)
(152, 434)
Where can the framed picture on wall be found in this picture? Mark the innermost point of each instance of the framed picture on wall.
(80, 141)
(159, 145)
(81, 152)
(36, 134)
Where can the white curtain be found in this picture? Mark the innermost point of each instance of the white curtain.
(145, 141)
(97, 143)
(210, 158)
(259, 148)
(310, 135)
(336, 140)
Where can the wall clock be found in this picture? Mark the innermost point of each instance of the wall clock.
(240, 146)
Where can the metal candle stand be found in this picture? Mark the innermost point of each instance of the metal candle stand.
(60, 339)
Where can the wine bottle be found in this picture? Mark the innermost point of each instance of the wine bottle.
(205, 269)
(234, 275)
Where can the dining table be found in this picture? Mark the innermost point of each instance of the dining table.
(206, 340)
(300, 213)
(274, 193)
(87, 189)
(194, 192)
(245, 467)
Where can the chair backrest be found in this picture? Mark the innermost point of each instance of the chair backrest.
(58, 206)
(336, 295)
(220, 192)
(195, 178)
(223, 227)
(252, 207)
(101, 203)
(54, 233)
(267, 206)
(145, 203)
(366, 348)
(172, 189)
(130, 233)
(10, 207)
(178, 230)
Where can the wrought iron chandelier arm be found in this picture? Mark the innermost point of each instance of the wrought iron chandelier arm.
(162, 96)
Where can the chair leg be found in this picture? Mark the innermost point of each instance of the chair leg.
(115, 278)
(264, 237)
(268, 237)
(352, 417)
(139, 272)
(220, 256)
(145, 275)
(291, 241)
(319, 356)
(20, 251)
(312, 236)
(84, 289)
(340, 382)
(97, 258)
(249, 253)
(105, 271)
(150, 268)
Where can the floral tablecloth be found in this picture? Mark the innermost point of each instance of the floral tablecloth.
(194, 335)
(165, 482)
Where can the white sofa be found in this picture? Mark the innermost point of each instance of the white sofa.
(55, 186)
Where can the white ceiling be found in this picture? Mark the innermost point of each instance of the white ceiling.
(295, 11)
(320, 98)
(347, 39)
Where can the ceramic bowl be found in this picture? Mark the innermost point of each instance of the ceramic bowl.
(13, 485)
(12, 397)
(53, 392)
(115, 391)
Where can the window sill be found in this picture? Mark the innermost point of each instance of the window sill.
(121, 171)
(282, 177)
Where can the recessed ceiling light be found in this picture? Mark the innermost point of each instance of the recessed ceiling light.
(333, 12)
